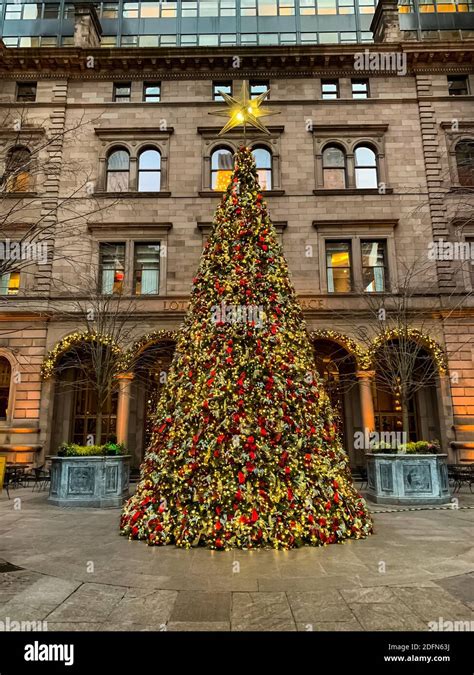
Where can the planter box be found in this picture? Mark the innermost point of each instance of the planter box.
(89, 481)
(407, 479)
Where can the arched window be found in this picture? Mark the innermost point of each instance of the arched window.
(365, 168)
(334, 167)
(263, 162)
(222, 162)
(149, 170)
(18, 170)
(118, 171)
(5, 377)
(465, 162)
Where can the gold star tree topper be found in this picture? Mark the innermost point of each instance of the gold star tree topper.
(244, 111)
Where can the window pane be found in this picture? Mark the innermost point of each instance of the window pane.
(51, 11)
(31, 11)
(465, 162)
(338, 265)
(149, 10)
(221, 168)
(119, 161)
(373, 266)
(366, 178)
(329, 89)
(130, 10)
(365, 157)
(219, 87)
(147, 269)
(152, 92)
(112, 268)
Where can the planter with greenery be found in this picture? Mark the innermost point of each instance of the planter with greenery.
(90, 475)
(412, 473)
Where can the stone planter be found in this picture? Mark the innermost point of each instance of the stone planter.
(407, 479)
(89, 481)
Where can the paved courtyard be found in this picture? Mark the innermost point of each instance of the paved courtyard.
(76, 573)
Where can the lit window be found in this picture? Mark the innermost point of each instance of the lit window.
(208, 8)
(374, 266)
(307, 7)
(122, 92)
(149, 10)
(365, 168)
(338, 266)
(111, 268)
(168, 9)
(263, 162)
(108, 41)
(26, 92)
(329, 89)
(257, 87)
(219, 87)
(366, 6)
(10, 283)
(267, 7)
(189, 9)
(5, 377)
(110, 10)
(248, 7)
(227, 7)
(13, 12)
(458, 85)
(286, 7)
(327, 7)
(465, 162)
(148, 40)
(334, 168)
(151, 92)
(147, 268)
(130, 10)
(29, 42)
(208, 40)
(345, 6)
(18, 170)
(360, 88)
(10, 41)
(222, 164)
(118, 171)
(149, 171)
(32, 11)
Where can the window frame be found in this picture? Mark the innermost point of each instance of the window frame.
(365, 167)
(30, 99)
(330, 82)
(217, 84)
(454, 78)
(144, 149)
(359, 80)
(116, 96)
(328, 146)
(135, 244)
(154, 85)
(327, 243)
(386, 277)
(113, 149)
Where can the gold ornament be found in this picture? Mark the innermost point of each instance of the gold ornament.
(244, 111)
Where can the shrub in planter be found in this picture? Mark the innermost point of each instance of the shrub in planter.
(74, 450)
(420, 448)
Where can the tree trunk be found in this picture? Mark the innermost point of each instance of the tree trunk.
(98, 428)
(405, 417)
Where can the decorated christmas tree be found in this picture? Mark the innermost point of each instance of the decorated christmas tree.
(245, 451)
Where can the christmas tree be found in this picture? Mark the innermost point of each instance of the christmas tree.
(245, 451)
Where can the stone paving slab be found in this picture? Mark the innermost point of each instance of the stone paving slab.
(416, 568)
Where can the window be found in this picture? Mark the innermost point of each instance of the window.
(122, 92)
(149, 10)
(209, 8)
(286, 7)
(374, 275)
(148, 40)
(227, 7)
(465, 162)
(168, 9)
(5, 377)
(130, 10)
(209, 40)
(10, 283)
(458, 85)
(248, 7)
(189, 8)
(338, 266)
(345, 7)
(329, 89)
(108, 41)
(18, 170)
(109, 10)
(147, 268)
(267, 7)
(366, 6)
(360, 88)
(218, 87)
(85, 409)
(118, 171)
(32, 11)
(263, 162)
(26, 91)
(365, 168)
(149, 171)
(51, 11)
(334, 167)
(13, 12)
(307, 7)
(151, 92)
(222, 162)
(327, 7)
(129, 41)
(257, 87)
(111, 268)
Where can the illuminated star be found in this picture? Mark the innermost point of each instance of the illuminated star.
(244, 111)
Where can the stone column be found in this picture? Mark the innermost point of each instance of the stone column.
(365, 378)
(385, 25)
(87, 28)
(123, 406)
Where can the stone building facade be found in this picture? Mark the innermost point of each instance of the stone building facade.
(364, 169)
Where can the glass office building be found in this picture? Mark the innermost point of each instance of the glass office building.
(221, 23)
